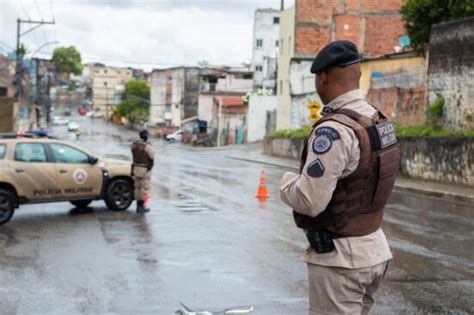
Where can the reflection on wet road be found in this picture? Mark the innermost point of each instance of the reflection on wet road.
(209, 243)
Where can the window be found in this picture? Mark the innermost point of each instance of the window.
(259, 42)
(30, 152)
(289, 44)
(66, 154)
(282, 45)
(276, 43)
(276, 20)
(281, 87)
(3, 149)
(258, 68)
(176, 106)
(170, 78)
(105, 71)
(105, 83)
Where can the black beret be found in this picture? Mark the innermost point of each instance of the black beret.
(338, 53)
(143, 133)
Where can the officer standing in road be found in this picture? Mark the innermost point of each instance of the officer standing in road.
(143, 159)
(348, 168)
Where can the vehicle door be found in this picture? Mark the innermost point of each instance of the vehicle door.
(33, 172)
(77, 176)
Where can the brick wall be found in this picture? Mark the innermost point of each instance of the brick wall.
(382, 5)
(404, 105)
(348, 28)
(451, 69)
(382, 34)
(374, 25)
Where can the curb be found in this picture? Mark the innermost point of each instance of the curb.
(288, 166)
(435, 193)
(464, 198)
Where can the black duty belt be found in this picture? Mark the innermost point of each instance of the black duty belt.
(322, 241)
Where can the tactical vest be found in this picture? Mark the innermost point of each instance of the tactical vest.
(357, 204)
(140, 157)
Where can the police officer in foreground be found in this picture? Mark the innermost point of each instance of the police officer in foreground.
(348, 168)
(143, 159)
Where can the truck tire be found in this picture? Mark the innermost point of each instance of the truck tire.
(7, 206)
(81, 203)
(119, 194)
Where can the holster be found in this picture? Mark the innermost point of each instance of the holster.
(321, 241)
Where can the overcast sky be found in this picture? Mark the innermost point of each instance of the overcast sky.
(139, 33)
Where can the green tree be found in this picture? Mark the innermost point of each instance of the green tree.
(135, 103)
(68, 60)
(420, 15)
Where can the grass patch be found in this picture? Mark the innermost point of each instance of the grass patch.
(402, 132)
(295, 134)
(431, 131)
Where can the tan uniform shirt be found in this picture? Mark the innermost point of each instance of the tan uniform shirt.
(310, 195)
(140, 171)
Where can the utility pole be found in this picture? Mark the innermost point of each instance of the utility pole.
(19, 34)
(19, 62)
(282, 6)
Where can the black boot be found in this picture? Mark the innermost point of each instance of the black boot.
(139, 205)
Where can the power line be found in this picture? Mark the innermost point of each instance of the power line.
(24, 10)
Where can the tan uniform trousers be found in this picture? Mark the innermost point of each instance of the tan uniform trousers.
(141, 177)
(334, 290)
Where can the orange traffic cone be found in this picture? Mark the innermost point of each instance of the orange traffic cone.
(262, 192)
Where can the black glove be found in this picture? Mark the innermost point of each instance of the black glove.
(150, 166)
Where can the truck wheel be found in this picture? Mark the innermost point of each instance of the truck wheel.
(7, 206)
(119, 195)
(81, 203)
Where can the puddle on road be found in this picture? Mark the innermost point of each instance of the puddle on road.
(191, 205)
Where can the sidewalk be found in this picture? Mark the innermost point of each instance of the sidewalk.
(253, 153)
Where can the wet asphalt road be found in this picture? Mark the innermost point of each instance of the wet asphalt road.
(209, 243)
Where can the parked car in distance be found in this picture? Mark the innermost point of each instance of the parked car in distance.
(67, 111)
(72, 126)
(175, 136)
(94, 114)
(60, 121)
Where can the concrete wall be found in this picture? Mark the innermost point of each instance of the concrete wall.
(206, 105)
(451, 71)
(286, 52)
(283, 147)
(448, 160)
(257, 116)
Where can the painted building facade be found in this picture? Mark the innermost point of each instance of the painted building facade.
(265, 48)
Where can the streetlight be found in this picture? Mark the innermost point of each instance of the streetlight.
(41, 47)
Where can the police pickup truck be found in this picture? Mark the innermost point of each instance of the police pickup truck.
(37, 168)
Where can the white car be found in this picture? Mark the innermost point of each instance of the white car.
(94, 114)
(72, 126)
(175, 136)
(60, 121)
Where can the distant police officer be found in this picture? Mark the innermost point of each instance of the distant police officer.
(143, 159)
(348, 168)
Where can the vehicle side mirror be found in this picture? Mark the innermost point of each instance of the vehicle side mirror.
(93, 160)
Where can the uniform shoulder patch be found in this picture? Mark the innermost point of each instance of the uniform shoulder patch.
(324, 137)
(316, 168)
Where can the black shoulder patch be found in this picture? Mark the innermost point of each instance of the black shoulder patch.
(316, 169)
